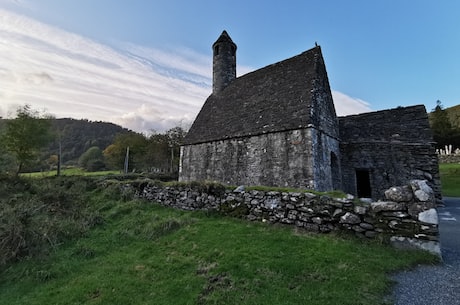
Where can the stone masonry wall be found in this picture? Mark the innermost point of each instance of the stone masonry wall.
(452, 158)
(326, 171)
(389, 163)
(272, 159)
(394, 145)
(406, 218)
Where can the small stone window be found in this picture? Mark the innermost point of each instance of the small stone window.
(216, 50)
(233, 50)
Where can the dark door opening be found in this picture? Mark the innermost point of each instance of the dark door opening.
(363, 183)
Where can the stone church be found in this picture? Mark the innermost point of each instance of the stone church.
(277, 126)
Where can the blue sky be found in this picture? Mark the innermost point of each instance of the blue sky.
(153, 58)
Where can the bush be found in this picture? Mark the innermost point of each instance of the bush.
(92, 159)
(37, 215)
(95, 165)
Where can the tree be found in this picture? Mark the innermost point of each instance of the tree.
(92, 159)
(52, 161)
(25, 135)
(7, 161)
(115, 153)
(176, 137)
(158, 152)
(443, 131)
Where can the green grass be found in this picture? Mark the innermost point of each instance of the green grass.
(147, 254)
(450, 179)
(70, 172)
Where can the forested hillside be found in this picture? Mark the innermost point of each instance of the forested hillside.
(454, 115)
(77, 136)
(445, 124)
(91, 146)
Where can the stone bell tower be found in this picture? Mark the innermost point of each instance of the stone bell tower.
(224, 62)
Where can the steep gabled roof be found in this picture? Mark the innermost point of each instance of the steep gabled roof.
(402, 124)
(275, 98)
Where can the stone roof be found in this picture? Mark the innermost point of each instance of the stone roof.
(224, 37)
(402, 124)
(272, 99)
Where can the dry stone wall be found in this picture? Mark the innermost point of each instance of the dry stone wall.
(452, 158)
(406, 218)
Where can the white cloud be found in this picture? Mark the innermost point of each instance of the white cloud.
(72, 76)
(346, 105)
(137, 87)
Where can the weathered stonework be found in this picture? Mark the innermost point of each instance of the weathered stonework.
(272, 159)
(269, 159)
(394, 146)
(388, 220)
(453, 158)
(224, 62)
(277, 126)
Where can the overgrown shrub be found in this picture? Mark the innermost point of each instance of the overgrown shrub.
(36, 215)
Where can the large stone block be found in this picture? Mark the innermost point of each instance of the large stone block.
(350, 218)
(399, 194)
(430, 216)
(381, 206)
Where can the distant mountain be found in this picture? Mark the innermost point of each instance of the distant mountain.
(78, 135)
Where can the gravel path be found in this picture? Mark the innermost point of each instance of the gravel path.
(440, 285)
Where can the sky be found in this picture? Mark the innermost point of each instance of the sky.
(147, 64)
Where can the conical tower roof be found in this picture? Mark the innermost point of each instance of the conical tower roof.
(224, 38)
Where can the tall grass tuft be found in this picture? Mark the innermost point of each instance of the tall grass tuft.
(38, 215)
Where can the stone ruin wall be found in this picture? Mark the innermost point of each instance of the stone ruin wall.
(453, 158)
(406, 218)
(395, 145)
(298, 158)
(327, 175)
(389, 163)
(272, 159)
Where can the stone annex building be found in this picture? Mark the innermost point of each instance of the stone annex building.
(277, 126)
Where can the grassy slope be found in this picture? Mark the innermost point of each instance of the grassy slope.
(450, 179)
(147, 254)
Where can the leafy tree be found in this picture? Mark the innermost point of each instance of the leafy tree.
(52, 161)
(115, 153)
(7, 161)
(158, 153)
(176, 137)
(25, 135)
(92, 159)
(443, 131)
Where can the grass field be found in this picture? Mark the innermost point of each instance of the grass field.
(142, 253)
(450, 179)
(75, 171)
